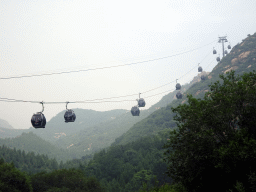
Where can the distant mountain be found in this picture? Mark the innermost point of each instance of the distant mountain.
(10, 133)
(5, 124)
(29, 142)
(241, 59)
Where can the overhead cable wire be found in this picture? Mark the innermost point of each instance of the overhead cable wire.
(58, 73)
(160, 93)
(209, 64)
(92, 101)
(175, 80)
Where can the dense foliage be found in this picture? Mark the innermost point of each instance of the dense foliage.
(28, 162)
(65, 180)
(12, 179)
(127, 167)
(215, 141)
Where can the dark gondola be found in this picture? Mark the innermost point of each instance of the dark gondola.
(218, 58)
(179, 95)
(69, 115)
(229, 47)
(214, 51)
(135, 111)
(200, 69)
(178, 86)
(141, 102)
(226, 52)
(38, 120)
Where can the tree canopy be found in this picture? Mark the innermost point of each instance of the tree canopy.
(214, 144)
(12, 179)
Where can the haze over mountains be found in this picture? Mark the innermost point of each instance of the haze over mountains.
(121, 148)
(5, 124)
(94, 130)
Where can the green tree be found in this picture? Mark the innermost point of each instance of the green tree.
(205, 149)
(66, 179)
(12, 179)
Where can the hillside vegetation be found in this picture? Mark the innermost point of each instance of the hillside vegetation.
(241, 59)
(29, 142)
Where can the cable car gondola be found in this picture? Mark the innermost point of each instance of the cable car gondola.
(200, 69)
(141, 102)
(38, 120)
(229, 47)
(178, 86)
(214, 51)
(69, 115)
(226, 52)
(218, 59)
(179, 95)
(135, 111)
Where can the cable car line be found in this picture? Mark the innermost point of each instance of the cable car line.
(179, 78)
(57, 73)
(91, 101)
(38, 119)
(160, 93)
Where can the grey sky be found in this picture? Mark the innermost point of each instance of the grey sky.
(51, 36)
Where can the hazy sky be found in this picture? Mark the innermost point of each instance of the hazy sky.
(49, 36)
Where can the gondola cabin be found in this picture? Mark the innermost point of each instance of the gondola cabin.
(69, 116)
(179, 95)
(214, 51)
(218, 59)
(226, 52)
(229, 47)
(178, 86)
(200, 69)
(135, 111)
(141, 102)
(38, 120)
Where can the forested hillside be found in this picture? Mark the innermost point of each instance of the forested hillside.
(242, 58)
(126, 167)
(29, 142)
(29, 162)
